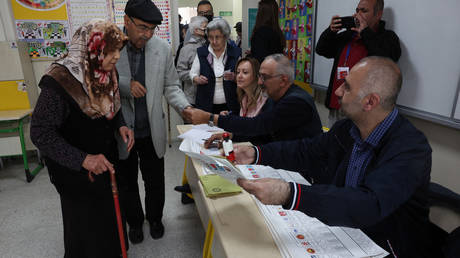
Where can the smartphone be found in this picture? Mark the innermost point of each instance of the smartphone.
(348, 22)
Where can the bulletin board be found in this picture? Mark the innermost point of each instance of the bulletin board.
(296, 21)
(47, 26)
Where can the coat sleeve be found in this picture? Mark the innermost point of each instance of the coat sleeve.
(172, 91)
(289, 112)
(49, 115)
(328, 44)
(386, 44)
(395, 178)
(184, 63)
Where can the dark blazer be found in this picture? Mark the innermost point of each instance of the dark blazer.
(265, 42)
(205, 93)
(381, 43)
(390, 205)
(294, 116)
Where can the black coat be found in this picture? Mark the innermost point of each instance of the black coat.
(293, 116)
(265, 42)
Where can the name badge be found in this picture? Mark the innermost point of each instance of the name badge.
(342, 72)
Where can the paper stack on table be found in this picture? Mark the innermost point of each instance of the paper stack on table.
(214, 164)
(298, 235)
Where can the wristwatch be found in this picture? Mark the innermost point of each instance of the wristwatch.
(211, 120)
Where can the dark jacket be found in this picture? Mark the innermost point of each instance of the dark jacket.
(205, 93)
(381, 43)
(69, 134)
(258, 139)
(293, 116)
(390, 205)
(264, 42)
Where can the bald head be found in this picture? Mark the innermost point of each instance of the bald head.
(382, 77)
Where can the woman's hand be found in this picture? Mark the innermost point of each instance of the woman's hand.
(128, 136)
(200, 80)
(224, 113)
(97, 164)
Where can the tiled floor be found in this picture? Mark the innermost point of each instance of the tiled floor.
(31, 222)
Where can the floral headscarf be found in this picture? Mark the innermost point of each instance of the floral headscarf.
(90, 43)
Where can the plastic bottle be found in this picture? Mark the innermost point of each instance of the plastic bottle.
(228, 147)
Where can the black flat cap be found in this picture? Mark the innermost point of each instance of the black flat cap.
(144, 10)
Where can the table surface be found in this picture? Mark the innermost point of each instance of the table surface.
(8, 115)
(237, 221)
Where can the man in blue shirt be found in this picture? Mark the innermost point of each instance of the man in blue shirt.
(370, 171)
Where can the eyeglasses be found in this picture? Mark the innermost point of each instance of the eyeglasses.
(265, 77)
(144, 28)
(205, 13)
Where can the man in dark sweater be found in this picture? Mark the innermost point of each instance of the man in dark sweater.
(370, 171)
(368, 38)
(293, 115)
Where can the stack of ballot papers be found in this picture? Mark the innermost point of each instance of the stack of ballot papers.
(298, 235)
(216, 186)
(213, 164)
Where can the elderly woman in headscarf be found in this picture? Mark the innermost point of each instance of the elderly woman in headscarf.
(74, 125)
(213, 70)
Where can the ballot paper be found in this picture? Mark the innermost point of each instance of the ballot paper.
(298, 235)
(215, 164)
(199, 133)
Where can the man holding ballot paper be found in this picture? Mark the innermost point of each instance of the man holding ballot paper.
(370, 171)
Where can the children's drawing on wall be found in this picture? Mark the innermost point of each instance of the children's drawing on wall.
(29, 30)
(294, 29)
(282, 10)
(309, 24)
(287, 30)
(54, 30)
(306, 75)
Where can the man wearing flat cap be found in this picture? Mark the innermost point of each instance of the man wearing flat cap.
(147, 73)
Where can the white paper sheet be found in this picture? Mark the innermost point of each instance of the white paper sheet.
(215, 164)
(298, 235)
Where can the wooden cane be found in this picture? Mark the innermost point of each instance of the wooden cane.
(118, 213)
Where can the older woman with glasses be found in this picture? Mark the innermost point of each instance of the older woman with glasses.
(212, 71)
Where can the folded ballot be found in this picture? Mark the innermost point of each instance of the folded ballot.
(214, 164)
(216, 186)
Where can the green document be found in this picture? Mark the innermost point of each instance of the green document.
(216, 186)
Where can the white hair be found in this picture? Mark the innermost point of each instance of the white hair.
(220, 24)
(195, 23)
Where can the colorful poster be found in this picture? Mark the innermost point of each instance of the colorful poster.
(164, 31)
(296, 21)
(81, 11)
(44, 38)
(39, 9)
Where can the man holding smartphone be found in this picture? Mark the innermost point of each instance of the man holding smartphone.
(368, 37)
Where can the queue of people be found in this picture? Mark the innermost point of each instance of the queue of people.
(101, 110)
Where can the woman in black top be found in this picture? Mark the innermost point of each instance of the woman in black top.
(267, 37)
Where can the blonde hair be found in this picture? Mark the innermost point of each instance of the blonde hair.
(254, 90)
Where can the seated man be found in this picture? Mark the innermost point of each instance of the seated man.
(370, 171)
(293, 115)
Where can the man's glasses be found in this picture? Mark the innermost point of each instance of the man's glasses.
(205, 13)
(264, 77)
(144, 28)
